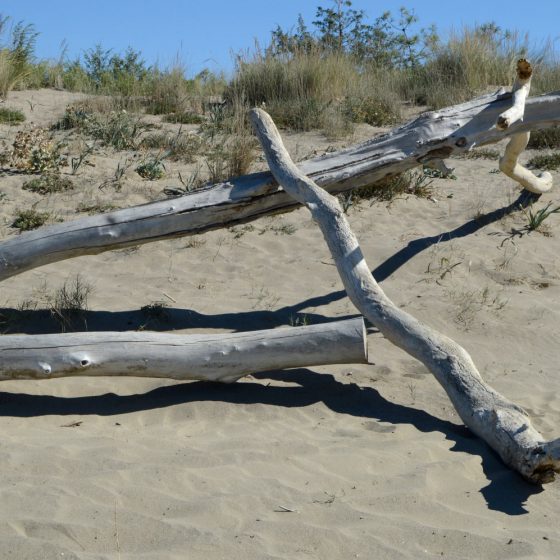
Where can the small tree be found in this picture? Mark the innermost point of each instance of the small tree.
(121, 72)
(96, 63)
(342, 29)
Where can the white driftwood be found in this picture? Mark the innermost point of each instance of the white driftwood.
(520, 93)
(509, 163)
(432, 136)
(505, 426)
(212, 357)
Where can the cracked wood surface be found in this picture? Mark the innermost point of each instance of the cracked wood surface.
(429, 137)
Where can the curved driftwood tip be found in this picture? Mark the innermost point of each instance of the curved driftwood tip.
(509, 163)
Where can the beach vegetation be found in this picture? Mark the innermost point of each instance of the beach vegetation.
(11, 116)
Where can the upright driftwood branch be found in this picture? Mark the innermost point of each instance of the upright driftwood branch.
(431, 137)
(212, 357)
(505, 426)
(509, 163)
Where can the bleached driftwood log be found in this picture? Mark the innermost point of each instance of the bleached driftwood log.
(431, 137)
(212, 357)
(505, 426)
(509, 163)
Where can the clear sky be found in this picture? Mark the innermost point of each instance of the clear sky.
(204, 33)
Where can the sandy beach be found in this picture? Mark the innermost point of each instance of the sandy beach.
(354, 461)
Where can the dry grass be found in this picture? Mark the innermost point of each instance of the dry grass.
(410, 183)
(546, 161)
(11, 116)
(473, 61)
(69, 303)
(548, 138)
(311, 90)
(176, 146)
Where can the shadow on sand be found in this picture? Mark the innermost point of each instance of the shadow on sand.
(506, 491)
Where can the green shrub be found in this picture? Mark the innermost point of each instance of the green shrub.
(372, 110)
(471, 61)
(535, 219)
(48, 183)
(548, 161)
(11, 116)
(169, 92)
(482, 153)
(30, 219)
(151, 170)
(119, 129)
(294, 91)
(548, 138)
(75, 116)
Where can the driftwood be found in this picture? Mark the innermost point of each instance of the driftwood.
(509, 162)
(429, 138)
(505, 426)
(211, 357)
(432, 137)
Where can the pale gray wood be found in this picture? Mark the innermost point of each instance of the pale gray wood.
(509, 162)
(505, 426)
(432, 136)
(211, 357)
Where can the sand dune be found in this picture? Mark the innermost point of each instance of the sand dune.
(357, 461)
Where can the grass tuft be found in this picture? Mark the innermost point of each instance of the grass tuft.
(69, 303)
(26, 220)
(95, 208)
(535, 219)
(11, 116)
(549, 162)
(48, 183)
(548, 138)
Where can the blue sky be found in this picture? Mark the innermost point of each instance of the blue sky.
(205, 33)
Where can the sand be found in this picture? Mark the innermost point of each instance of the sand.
(354, 461)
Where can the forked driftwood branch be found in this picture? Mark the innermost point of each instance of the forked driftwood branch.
(505, 426)
(429, 138)
(211, 357)
(509, 162)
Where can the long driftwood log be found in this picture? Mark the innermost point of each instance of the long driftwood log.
(211, 357)
(429, 138)
(505, 426)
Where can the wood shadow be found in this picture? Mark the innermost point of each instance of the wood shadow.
(506, 491)
(41, 321)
